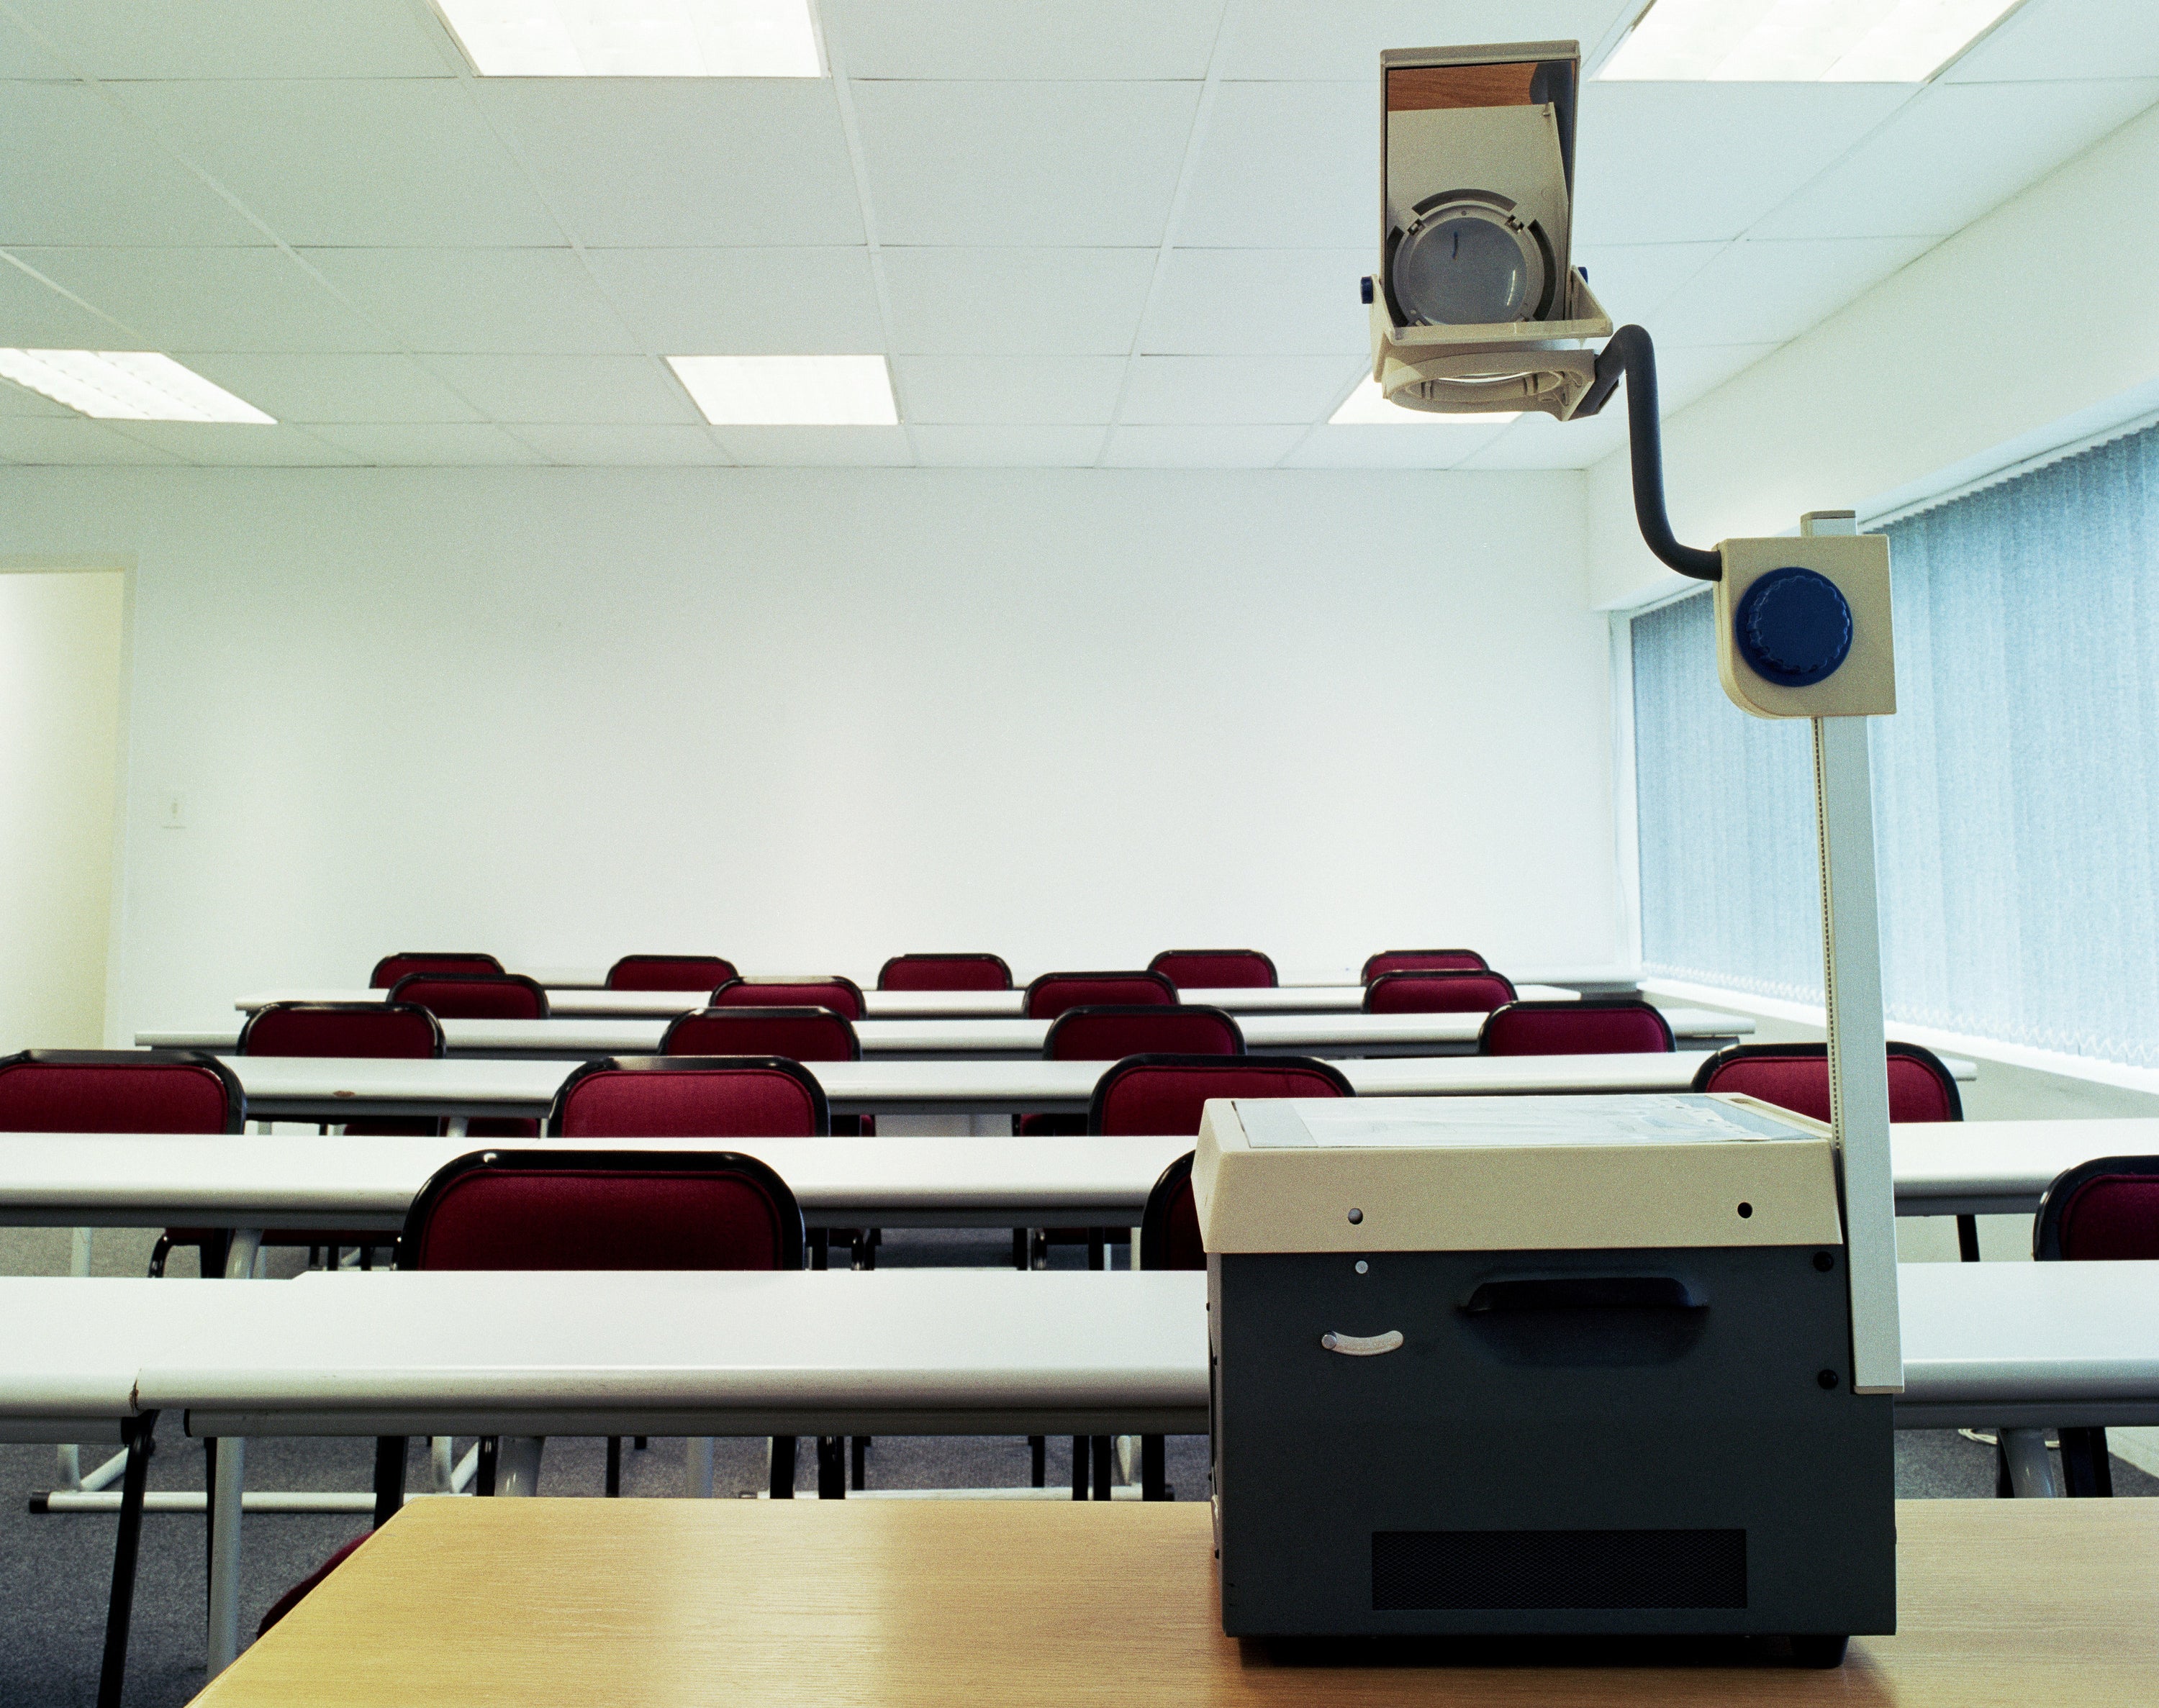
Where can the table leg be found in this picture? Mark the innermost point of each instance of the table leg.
(113, 1673)
(517, 1464)
(2031, 1467)
(697, 1469)
(455, 1127)
(224, 1554)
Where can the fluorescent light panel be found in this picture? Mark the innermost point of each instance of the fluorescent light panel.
(790, 391)
(1801, 41)
(126, 386)
(1368, 407)
(636, 37)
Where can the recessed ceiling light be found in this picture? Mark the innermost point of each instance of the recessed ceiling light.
(790, 391)
(126, 386)
(636, 37)
(1801, 41)
(1368, 407)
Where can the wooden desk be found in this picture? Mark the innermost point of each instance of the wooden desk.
(2002, 1604)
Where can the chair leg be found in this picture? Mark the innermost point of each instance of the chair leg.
(782, 1486)
(1097, 1249)
(832, 1468)
(119, 1611)
(1019, 1248)
(615, 1467)
(1104, 1467)
(2085, 1466)
(1154, 1468)
(1079, 1478)
(1038, 1454)
(389, 1478)
(209, 1512)
(483, 1473)
(820, 1248)
(1968, 1239)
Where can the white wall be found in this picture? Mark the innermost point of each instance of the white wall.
(811, 718)
(59, 726)
(2028, 326)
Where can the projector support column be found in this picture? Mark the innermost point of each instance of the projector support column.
(1858, 1052)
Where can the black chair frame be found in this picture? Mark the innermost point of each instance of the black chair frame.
(428, 954)
(1168, 986)
(1587, 1005)
(691, 1064)
(996, 960)
(1237, 1032)
(854, 1043)
(1364, 975)
(1372, 986)
(396, 990)
(1274, 978)
(1117, 1071)
(624, 960)
(388, 1005)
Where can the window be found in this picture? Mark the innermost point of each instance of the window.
(2017, 791)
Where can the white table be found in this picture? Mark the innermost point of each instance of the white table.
(573, 1038)
(337, 1088)
(574, 1002)
(1601, 978)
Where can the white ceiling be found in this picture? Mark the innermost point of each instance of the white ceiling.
(1116, 233)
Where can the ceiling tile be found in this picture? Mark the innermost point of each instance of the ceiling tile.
(1686, 373)
(35, 316)
(131, 38)
(354, 163)
(1008, 446)
(1285, 166)
(19, 400)
(1268, 389)
(72, 438)
(218, 445)
(1633, 280)
(1540, 442)
(816, 447)
(632, 162)
(1046, 302)
(2066, 40)
(1768, 292)
(212, 299)
(22, 57)
(575, 390)
(1055, 39)
(623, 446)
(744, 302)
(1424, 445)
(1683, 163)
(476, 300)
(335, 388)
(1216, 447)
(1956, 151)
(73, 169)
(449, 445)
(1290, 39)
(1063, 163)
(1269, 302)
(985, 390)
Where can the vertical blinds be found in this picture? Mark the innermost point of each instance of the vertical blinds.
(2015, 789)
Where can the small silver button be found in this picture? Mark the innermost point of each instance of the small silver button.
(1363, 1267)
(1355, 1217)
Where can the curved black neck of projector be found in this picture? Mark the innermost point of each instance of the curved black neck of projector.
(1630, 352)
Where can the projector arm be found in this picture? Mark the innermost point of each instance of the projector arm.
(1629, 352)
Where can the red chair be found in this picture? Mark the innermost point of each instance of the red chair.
(1114, 1031)
(944, 972)
(1583, 1028)
(393, 967)
(1423, 961)
(1216, 969)
(565, 1209)
(1795, 1076)
(1050, 995)
(2104, 1211)
(843, 995)
(690, 1097)
(125, 1091)
(669, 972)
(473, 995)
(1437, 993)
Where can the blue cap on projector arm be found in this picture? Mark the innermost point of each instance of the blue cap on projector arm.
(1794, 627)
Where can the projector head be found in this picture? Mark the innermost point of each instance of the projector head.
(1476, 306)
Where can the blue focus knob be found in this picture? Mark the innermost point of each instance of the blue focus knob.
(1793, 627)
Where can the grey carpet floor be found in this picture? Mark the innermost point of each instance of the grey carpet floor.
(55, 1569)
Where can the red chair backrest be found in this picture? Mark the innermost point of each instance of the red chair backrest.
(393, 967)
(602, 1209)
(800, 1034)
(1437, 993)
(1216, 969)
(1053, 993)
(688, 1097)
(2106, 1210)
(1166, 1094)
(843, 995)
(669, 972)
(1169, 1228)
(1423, 961)
(402, 1030)
(473, 995)
(946, 972)
(1574, 1029)
(1109, 1034)
(118, 1091)
(1795, 1076)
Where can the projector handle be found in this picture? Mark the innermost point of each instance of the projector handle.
(1628, 351)
(1362, 1345)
